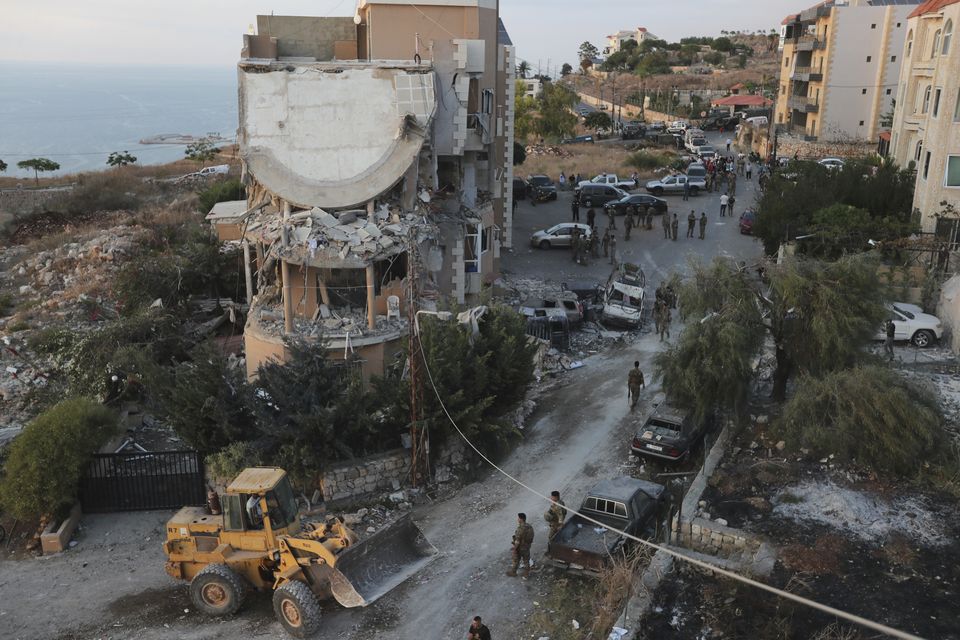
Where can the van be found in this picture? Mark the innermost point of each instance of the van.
(758, 121)
(223, 169)
(597, 195)
(697, 170)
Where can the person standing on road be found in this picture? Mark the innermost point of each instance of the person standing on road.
(888, 343)
(729, 142)
(478, 630)
(635, 382)
(606, 243)
(724, 199)
(563, 181)
(674, 226)
(555, 514)
(648, 212)
(575, 245)
(686, 189)
(575, 208)
(665, 221)
(613, 249)
(749, 170)
(522, 540)
(611, 220)
(730, 204)
(627, 225)
(691, 223)
(703, 223)
(665, 322)
(594, 243)
(591, 216)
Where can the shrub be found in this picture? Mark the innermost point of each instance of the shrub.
(225, 464)
(222, 191)
(646, 161)
(104, 191)
(869, 414)
(46, 461)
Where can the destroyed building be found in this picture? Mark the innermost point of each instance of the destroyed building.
(376, 150)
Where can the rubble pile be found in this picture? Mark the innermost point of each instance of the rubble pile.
(330, 323)
(548, 150)
(317, 234)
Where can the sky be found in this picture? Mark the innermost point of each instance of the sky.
(209, 32)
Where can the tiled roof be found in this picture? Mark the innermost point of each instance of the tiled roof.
(931, 6)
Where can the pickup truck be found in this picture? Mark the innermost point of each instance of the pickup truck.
(608, 178)
(219, 169)
(623, 504)
(676, 184)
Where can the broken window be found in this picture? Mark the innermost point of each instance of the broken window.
(487, 101)
(386, 271)
(473, 247)
(448, 175)
(346, 287)
(473, 96)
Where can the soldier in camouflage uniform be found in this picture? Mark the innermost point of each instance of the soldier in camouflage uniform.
(555, 514)
(522, 540)
(634, 383)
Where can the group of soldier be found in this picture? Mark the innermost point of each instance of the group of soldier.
(672, 225)
(523, 536)
(584, 245)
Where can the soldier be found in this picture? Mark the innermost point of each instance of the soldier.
(594, 243)
(627, 225)
(665, 322)
(613, 249)
(478, 630)
(674, 226)
(522, 540)
(575, 208)
(666, 226)
(611, 219)
(649, 215)
(575, 245)
(555, 514)
(703, 223)
(733, 184)
(606, 242)
(730, 204)
(691, 223)
(635, 382)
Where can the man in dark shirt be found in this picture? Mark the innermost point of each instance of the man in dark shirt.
(478, 630)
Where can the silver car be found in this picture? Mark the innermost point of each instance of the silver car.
(559, 235)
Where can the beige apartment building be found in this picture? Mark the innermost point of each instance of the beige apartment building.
(926, 128)
(377, 151)
(839, 69)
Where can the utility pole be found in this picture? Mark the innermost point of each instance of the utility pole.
(419, 468)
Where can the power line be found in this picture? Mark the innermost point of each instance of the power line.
(850, 617)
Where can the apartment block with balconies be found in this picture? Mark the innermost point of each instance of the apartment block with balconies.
(926, 125)
(839, 68)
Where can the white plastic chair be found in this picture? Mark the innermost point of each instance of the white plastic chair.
(393, 307)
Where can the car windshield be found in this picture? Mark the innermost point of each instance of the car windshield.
(540, 181)
(662, 427)
(904, 312)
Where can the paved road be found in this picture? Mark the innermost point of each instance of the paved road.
(577, 436)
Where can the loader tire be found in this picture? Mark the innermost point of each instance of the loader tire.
(297, 609)
(217, 590)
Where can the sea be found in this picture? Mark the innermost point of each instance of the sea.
(77, 114)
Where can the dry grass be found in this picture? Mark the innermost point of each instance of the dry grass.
(898, 552)
(836, 631)
(587, 159)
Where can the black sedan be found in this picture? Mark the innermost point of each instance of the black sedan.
(670, 433)
(639, 203)
(541, 187)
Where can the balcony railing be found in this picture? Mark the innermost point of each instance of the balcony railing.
(809, 43)
(803, 103)
(806, 74)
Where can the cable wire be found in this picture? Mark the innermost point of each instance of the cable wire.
(850, 617)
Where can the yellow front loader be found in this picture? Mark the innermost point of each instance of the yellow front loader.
(259, 542)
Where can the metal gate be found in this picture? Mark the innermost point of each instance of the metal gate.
(137, 481)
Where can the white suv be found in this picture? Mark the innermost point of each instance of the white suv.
(911, 323)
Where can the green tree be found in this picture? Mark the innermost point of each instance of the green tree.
(722, 45)
(556, 118)
(523, 69)
(39, 165)
(653, 64)
(202, 151)
(742, 61)
(713, 58)
(566, 69)
(3, 166)
(870, 415)
(598, 120)
(587, 51)
(118, 159)
(519, 153)
(204, 399)
(45, 462)
(524, 112)
(222, 191)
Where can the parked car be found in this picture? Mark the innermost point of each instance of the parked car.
(670, 433)
(911, 323)
(559, 235)
(542, 186)
(747, 220)
(622, 504)
(608, 178)
(676, 184)
(697, 170)
(639, 202)
(578, 140)
(597, 195)
(833, 164)
(706, 152)
(656, 126)
(633, 130)
(623, 296)
(206, 172)
(584, 112)
(677, 127)
(564, 304)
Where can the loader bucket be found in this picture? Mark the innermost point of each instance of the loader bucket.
(369, 569)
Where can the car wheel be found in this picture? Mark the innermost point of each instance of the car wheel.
(923, 338)
(544, 244)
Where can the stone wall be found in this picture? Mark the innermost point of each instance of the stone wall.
(390, 471)
(712, 537)
(20, 202)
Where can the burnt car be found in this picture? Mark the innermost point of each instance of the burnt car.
(565, 303)
(636, 203)
(670, 433)
(541, 187)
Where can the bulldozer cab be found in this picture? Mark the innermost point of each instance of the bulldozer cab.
(260, 499)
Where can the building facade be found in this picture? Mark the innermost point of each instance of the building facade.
(615, 41)
(839, 69)
(377, 155)
(926, 127)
